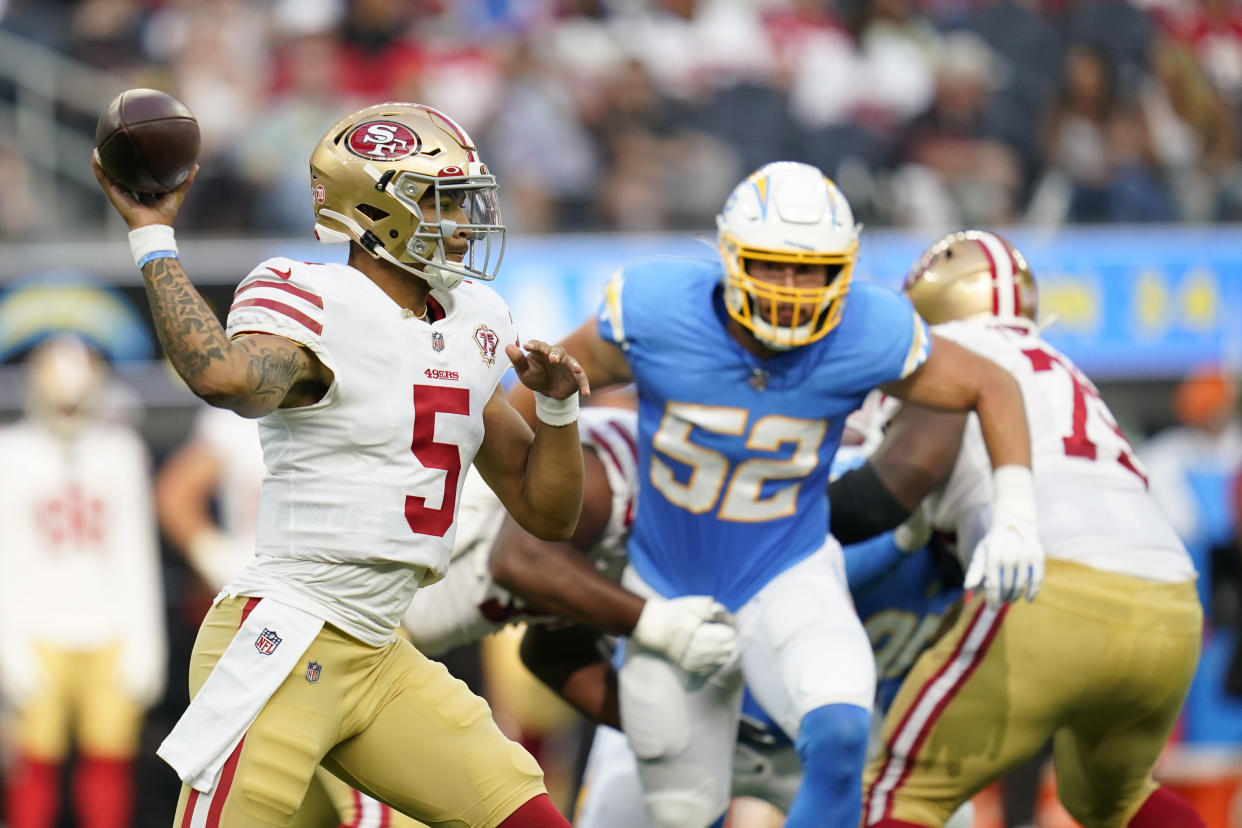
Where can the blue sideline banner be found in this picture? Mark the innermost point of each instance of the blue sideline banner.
(1128, 302)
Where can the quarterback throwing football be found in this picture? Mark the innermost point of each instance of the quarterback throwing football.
(376, 384)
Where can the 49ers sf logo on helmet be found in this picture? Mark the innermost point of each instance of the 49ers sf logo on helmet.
(383, 141)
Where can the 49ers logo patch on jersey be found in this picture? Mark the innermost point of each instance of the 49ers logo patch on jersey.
(488, 342)
(383, 141)
(267, 642)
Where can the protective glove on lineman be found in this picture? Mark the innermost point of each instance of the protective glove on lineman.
(695, 632)
(1009, 562)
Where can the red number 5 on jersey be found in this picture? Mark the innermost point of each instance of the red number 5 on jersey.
(430, 400)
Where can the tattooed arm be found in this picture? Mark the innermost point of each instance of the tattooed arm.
(253, 374)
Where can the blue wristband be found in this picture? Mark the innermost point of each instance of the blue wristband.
(157, 254)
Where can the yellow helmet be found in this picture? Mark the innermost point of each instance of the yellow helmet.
(973, 274)
(786, 212)
(369, 172)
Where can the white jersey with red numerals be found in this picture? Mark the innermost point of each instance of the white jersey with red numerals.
(1091, 492)
(468, 604)
(79, 559)
(358, 507)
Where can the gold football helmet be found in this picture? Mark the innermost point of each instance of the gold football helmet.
(973, 274)
(372, 169)
(791, 213)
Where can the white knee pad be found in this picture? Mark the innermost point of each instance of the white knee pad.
(695, 805)
(653, 707)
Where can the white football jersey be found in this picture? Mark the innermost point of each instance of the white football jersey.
(468, 604)
(79, 561)
(1091, 492)
(359, 504)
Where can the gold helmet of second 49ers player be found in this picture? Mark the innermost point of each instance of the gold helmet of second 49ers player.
(401, 179)
(973, 274)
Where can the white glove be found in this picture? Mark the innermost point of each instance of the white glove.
(694, 632)
(1009, 561)
(914, 533)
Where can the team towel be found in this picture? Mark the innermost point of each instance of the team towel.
(268, 644)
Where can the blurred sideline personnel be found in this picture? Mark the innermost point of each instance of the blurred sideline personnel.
(82, 642)
(1101, 663)
(222, 463)
(1197, 455)
(376, 383)
(746, 367)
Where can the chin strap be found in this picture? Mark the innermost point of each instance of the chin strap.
(433, 271)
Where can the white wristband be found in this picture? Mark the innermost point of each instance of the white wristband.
(155, 241)
(556, 412)
(1015, 491)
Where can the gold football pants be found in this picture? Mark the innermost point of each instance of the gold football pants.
(81, 699)
(1099, 662)
(389, 721)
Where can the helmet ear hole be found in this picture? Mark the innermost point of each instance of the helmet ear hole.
(372, 212)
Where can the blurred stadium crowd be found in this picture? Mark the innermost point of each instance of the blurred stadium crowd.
(636, 114)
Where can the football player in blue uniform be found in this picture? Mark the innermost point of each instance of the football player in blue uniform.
(746, 367)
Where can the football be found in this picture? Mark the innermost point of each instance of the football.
(147, 141)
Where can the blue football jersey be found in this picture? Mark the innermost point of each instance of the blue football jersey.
(735, 450)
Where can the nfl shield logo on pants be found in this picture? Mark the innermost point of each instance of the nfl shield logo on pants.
(313, 669)
(267, 642)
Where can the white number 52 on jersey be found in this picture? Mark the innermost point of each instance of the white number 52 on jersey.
(710, 471)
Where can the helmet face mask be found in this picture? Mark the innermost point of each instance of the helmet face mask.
(973, 275)
(793, 219)
(405, 182)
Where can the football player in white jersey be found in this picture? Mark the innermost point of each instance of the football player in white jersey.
(376, 384)
(222, 461)
(82, 644)
(1101, 662)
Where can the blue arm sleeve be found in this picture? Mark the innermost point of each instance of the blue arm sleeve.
(870, 562)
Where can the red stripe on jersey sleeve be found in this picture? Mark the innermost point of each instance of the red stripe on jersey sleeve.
(627, 437)
(283, 309)
(313, 298)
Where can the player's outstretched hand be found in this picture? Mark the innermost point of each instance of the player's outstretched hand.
(154, 209)
(548, 369)
(695, 632)
(1009, 562)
